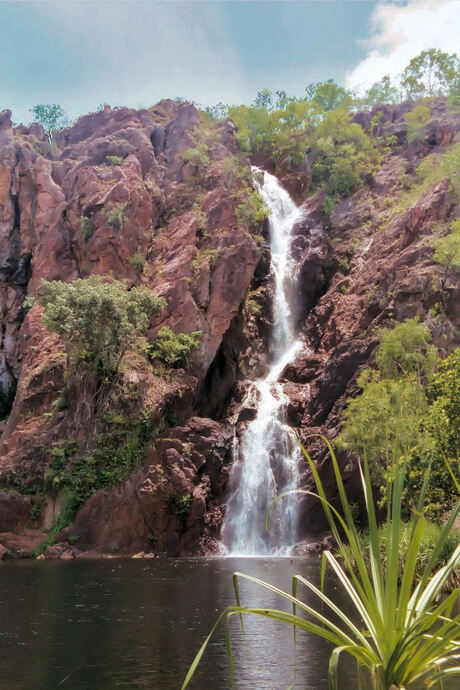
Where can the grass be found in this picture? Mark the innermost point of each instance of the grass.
(401, 632)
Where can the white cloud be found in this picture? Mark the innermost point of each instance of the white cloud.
(399, 32)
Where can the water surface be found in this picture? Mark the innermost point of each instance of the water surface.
(138, 624)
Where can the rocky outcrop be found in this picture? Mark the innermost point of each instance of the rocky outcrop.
(113, 188)
(171, 506)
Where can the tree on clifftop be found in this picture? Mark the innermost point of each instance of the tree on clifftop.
(431, 73)
(50, 116)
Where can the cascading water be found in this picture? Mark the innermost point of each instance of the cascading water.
(267, 455)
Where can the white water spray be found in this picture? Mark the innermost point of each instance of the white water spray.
(267, 456)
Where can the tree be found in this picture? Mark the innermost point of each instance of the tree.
(329, 96)
(381, 92)
(311, 89)
(342, 152)
(393, 399)
(254, 127)
(51, 117)
(282, 99)
(97, 321)
(406, 350)
(431, 73)
(264, 100)
(218, 111)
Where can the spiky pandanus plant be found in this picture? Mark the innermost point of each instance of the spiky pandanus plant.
(403, 632)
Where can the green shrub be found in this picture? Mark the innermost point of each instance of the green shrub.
(252, 211)
(29, 303)
(97, 321)
(138, 262)
(405, 350)
(181, 506)
(114, 160)
(197, 156)
(328, 206)
(343, 178)
(236, 170)
(86, 228)
(447, 250)
(116, 216)
(173, 349)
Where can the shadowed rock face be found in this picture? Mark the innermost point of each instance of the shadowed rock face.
(358, 270)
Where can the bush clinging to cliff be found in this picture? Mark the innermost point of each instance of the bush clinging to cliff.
(174, 349)
(98, 322)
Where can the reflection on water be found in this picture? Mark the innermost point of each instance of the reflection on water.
(138, 624)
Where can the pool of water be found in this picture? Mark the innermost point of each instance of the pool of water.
(138, 624)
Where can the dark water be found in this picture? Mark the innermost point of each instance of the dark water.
(138, 624)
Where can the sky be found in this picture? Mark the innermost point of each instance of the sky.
(82, 54)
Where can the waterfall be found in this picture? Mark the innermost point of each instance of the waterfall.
(266, 457)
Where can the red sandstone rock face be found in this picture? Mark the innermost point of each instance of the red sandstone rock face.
(169, 506)
(68, 210)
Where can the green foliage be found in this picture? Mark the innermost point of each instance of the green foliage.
(198, 156)
(387, 409)
(431, 73)
(252, 306)
(329, 96)
(181, 506)
(393, 400)
(342, 153)
(116, 216)
(444, 396)
(203, 259)
(405, 350)
(218, 111)
(253, 126)
(236, 171)
(428, 544)
(416, 123)
(328, 206)
(252, 210)
(435, 168)
(97, 321)
(50, 116)
(117, 453)
(138, 261)
(29, 303)
(264, 99)
(381, 92)
(447, 249)
(396, 403)
(405, 633)
(114, 160)
(173, 349)
(86, 228)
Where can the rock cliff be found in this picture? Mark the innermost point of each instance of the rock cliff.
(117, 195)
